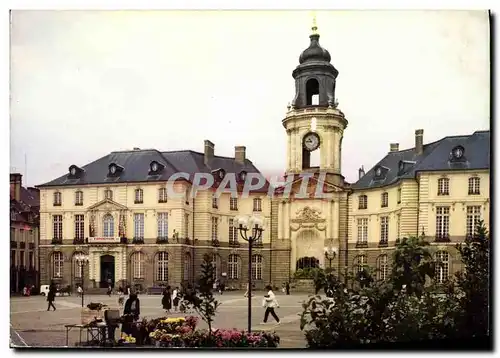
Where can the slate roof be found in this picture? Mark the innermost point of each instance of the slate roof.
(435, 157)
(136, 164)
(29, 204)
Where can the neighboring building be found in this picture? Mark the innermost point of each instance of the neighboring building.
(116, 209)
(24, 234)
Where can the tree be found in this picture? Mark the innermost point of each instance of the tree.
(203, 300)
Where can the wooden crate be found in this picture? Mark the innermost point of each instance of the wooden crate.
(89, 315)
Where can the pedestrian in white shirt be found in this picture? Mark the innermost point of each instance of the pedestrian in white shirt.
(270, 303)
(175, 298)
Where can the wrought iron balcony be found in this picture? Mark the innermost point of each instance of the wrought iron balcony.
(383, 243)
(361, 244)
(215, 243)
(138, 240)
(162, 240)
(78, 241)
(234, 243)
(123, 240)
(442, 238)
(57, 241)
(257, 243)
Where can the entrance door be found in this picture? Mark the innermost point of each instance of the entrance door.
(107, 271)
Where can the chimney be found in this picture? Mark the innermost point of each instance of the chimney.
(15, 185)
(419, 141)
(394, 147)
(361, 172)
(240, 154)
(209, 151)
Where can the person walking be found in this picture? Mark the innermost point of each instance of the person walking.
(175, 298)
(51, 297)
(131, 313)
(109, 290)
(79, 290)
(287, 287)
(270, 303)
(166, 301)
(121, 297)
(246, 292)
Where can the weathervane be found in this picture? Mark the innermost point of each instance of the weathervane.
(314, 27)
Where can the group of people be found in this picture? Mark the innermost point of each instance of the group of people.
(171, 298)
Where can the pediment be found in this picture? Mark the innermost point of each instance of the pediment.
(107, 205)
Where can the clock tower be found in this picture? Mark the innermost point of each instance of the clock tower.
(313, 122)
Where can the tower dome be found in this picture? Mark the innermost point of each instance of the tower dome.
(314, 52)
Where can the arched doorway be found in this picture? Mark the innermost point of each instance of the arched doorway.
(107, 271)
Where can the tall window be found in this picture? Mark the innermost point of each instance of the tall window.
(233, 203)
(382, 267)
(77, 268)
(362, 231)
(473, 217)
(79, 226)
(233, 232)
(138, 265)
(108, 226)
(257, 267)
(233, 267)
(31, 259)
(21, 258)
(215, 264)
(474, 186)
(79, 197)
(362, 202)
(187, 266)
(57, 198)
(13, 257)
(360, 263)
(384, 229)
(257, 204)
(442, 266)
(57, 264)
(162, 195)
(399, 225)
(186, 225)
(139, 194)
(108, 194)
(162, 225)
(162, 266)
(399, 196)
(443, 186)
(57, 227)
(215, 228)
(139, 226)
(384, 200)
(442, 221)
(215, 201)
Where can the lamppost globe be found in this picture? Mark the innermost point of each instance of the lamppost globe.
(330, 254)
(81, 260)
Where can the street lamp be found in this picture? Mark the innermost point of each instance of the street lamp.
(330, 254)
(81, 260)
(250, 228)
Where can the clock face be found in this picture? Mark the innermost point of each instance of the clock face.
(112, 169)
(458, 153)
(154, 167)
(311, 141)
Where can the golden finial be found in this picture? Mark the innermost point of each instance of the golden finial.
(314, 27)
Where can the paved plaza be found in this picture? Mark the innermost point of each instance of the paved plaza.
(32, 325)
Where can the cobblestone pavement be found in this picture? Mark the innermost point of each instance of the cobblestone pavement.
(32, 325)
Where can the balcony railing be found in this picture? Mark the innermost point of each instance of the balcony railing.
(78, 241)
(442, 238)
(187, 241)
(123, 240)
(257, 243)
(56, 241)
(162, 240)
(215, 243)
(138, 240)
(138, 202)
(361, 244)
(234, 243)
(383, 243)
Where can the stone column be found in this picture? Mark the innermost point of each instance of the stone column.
(336, 214)
(289, 148)
(280, 220)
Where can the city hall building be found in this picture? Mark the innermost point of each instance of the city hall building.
(117, 209)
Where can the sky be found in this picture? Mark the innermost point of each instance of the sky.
(85, 83)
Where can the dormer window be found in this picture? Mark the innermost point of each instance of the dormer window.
(114, 169)
(155, 168)
(219, 173)
(75, 171)
(243, 175)
(378, 172)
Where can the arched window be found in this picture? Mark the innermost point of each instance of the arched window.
(108, 228)
(162, 266)
(257, 267)
(233, 264)
(77, 268)
(187, 266)
(138, 265)
(312, 92)
(360, 263)
(307, 262)
(382, 267)
(442, 266)
(57, 264)
(108, 194)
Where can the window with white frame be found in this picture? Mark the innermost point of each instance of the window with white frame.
(139, 195)
(57, 198)
(360, 263)
(187, 266)
(362, 202)
(442, 221)
(162, 225)
(257, 204)
(215, 201)
(162, 195)
(57, 221)
(77, 267)
(108, 194)
(257, 267)
(233, 264)
(162, 266)
(474, 186)
(215, 228)
(108, 226)
(138, 265)
(57, 264)
(186, 225)
(363, 230)
(473, 218)
(79, 226)
(384, 200)
(443, 186)
(215, 265)
(384, 229)
(233, 203)
(233, 231)
(139, 226)
(442, 266)
(382, 267)
(79, 197)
